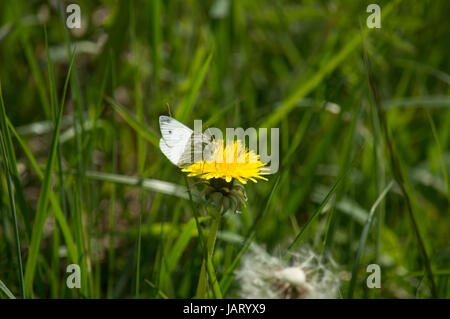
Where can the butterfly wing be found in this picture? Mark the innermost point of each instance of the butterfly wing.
(199, 147)
(175, 138)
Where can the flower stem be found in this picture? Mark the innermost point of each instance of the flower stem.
(202, 285)
(207, 262)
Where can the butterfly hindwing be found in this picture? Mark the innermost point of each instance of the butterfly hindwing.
(168, 151)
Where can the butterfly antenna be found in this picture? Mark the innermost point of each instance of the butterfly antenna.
(168, 109)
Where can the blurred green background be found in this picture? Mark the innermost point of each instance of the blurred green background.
(295, 65)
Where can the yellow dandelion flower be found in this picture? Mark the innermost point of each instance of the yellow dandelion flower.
(244, 166)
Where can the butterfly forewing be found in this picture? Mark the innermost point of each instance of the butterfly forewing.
(175, 136)
(180, 144)
(173, 132)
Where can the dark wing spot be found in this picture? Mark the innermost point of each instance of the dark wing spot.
(164, 119)
(170, 132)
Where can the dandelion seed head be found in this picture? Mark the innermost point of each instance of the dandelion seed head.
(292, 275)
(306, 276)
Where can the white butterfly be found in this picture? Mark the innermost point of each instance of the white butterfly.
(180, 144)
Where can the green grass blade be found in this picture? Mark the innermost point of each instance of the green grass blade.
(302, 232)
(306, 87)
(203, 242)
(363, 240)
(159, 291)
(441, 156)
(54, 103)
(189, 231)
(12, 161)
(80, 237)
(5, 151)
(132, 120)
(227, 277)
(113, 196)
(6, 291)
(150, 184)
(59, 215)
(421, 101)
(399, 175)
(380, 172)
(33, 63)
(187, 104)
(346, 150)
(41, 212)
(310, 167)
(155, 40)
